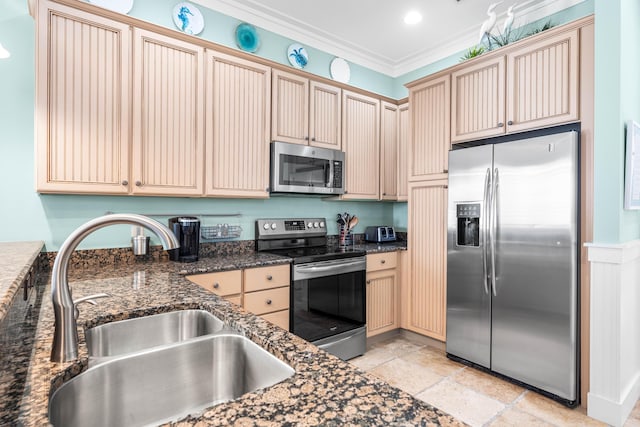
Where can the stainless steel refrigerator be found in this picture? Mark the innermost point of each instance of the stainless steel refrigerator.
(512, 259)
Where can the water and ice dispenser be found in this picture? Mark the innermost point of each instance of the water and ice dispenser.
(468, 229)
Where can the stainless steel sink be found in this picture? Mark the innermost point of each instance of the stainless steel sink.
(131, 335)
(166, 383)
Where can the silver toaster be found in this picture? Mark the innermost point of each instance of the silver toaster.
(379, 234)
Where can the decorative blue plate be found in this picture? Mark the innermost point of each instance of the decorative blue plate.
(188, 18)
(247, 38)
(297, 55)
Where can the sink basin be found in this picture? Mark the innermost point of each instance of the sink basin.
(166, 383)
(131, 335)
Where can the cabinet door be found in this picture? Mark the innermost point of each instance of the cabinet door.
(382, 302)
(325, 116)
(403, 151)
(388, 151)
(427, 245)
(430, 131)
(290, 108)
(477, 100)
(361, 144)
(238, 117)
(168, 116)
(82, 96)
(542, 83)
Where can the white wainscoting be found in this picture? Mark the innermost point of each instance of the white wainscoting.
(615, 331)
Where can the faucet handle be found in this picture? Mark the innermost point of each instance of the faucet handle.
(90, 299)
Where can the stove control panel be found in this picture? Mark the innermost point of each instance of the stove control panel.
(290, 227)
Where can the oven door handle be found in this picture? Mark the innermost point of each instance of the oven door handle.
(334, 268)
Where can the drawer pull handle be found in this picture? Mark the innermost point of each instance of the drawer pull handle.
(268, 302)
(383, 261)
(269, 277)
(216, 285)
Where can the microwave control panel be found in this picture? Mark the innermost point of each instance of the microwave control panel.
(337, 174)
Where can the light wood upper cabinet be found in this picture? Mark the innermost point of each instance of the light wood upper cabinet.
(533, 86)
(361, 144)
(543, 83)
(82, 98)
(237, 126)
(430, 129)
(325, 115)
(427, 233)
(305, 111)
(290, 108)
(403, 151)
(477, 100)
(168, 116)
(389, 128)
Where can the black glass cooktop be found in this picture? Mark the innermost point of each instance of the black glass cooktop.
(318, 253)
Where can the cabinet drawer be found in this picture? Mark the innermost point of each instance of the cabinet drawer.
(382, 261)
(273, 276)
(279, 318)
(267, 301)
(222, 283)
(236, 299)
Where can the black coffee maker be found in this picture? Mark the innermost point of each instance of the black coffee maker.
(187, 230)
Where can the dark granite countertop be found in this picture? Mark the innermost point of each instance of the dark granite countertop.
(371, 248)
(230, 262)
(323, 391)
(16, 259)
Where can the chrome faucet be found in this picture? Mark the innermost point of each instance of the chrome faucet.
(65, 337)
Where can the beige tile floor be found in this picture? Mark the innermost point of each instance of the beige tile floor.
(468, 394)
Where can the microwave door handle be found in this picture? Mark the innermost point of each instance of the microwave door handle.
(328, 174)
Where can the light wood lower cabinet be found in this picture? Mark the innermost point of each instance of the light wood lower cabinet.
(382, 293)
(227, 284)
(262, 290)
(427, 248)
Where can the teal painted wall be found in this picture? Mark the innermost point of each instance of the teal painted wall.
(617, 94)
(220, 29)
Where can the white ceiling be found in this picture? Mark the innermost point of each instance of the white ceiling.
(372, 33)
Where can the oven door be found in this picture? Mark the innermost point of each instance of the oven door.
(302, 169)
(328, 298)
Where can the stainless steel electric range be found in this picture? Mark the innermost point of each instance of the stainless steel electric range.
(328, 290)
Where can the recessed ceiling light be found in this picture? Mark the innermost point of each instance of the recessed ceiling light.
(412, 17)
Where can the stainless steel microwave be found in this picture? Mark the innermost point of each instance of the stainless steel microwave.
(303, 169)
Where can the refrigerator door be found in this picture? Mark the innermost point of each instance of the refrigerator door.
(468, 298)
(534, 308)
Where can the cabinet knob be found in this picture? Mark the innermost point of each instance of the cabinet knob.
(268, 302)
(510, 122)
(500, 124)
(216, 285)
(384, 194)
(313, 139)
(125, 182)
(306, 138)
(266, 189)
(445, 170)
(269, 277)
(138, 184)
(383, 261)
(368, 282)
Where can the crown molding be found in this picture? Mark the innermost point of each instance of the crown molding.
(274, 21)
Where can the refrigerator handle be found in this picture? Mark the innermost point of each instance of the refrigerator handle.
(492, 233)
(485, 229)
